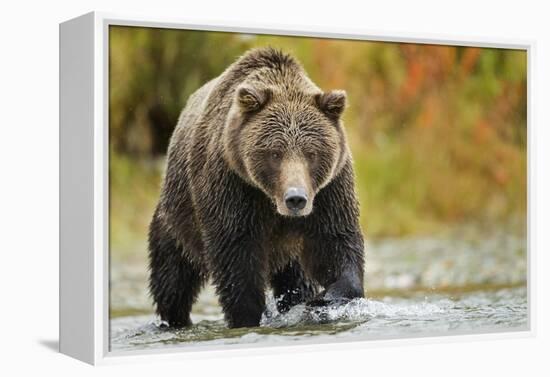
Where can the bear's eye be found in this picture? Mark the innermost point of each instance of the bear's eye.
(311, 156)
(276, 156)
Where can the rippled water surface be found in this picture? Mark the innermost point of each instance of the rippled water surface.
(389, 317)
(465, 281)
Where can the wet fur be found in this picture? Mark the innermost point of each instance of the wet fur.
(216, 217)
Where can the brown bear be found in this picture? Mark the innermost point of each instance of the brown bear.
(258, 193)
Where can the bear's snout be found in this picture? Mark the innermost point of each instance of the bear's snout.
(294, 194)
(295, 199)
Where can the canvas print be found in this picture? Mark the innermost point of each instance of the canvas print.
(272, 190)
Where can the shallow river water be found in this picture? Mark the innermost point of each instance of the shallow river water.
(361, 319)
(456, 283)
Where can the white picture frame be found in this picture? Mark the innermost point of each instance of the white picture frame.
(84, 185)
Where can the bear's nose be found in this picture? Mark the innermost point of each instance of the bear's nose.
(295, 198)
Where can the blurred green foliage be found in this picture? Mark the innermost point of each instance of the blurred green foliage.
(438, 133)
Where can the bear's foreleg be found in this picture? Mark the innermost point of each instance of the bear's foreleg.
(337, 264)
(334, 250)
(175, 281)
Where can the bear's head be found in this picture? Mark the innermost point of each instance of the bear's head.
(288, 143)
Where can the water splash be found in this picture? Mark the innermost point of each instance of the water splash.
(357, 310)
(360, 318)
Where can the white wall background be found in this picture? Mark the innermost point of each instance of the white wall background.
(29, 183)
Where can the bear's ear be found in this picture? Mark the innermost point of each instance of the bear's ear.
(251, 99)
(332, 103)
